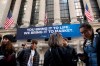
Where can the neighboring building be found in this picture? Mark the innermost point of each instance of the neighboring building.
(32, 13)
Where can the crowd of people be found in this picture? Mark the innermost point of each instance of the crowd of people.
(59, 53)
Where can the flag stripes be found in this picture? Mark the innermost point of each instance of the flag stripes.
(46, 19)
(88, 14)
(9, 21)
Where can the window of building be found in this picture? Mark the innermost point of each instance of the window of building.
(95, 9)
(50, 11)
(64, 11)
(21, 12)
(79, 8)
(35, 12)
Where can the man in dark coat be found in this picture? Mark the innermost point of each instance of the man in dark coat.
(70, 54)
(98, 45)
(29, 57)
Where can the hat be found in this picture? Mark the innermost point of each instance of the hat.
(97, 29)
(9, 37)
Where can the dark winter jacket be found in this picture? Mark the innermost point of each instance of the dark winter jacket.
(59, 56)
(8, 59)
(24, 55)
(98, 49)
(71, 56)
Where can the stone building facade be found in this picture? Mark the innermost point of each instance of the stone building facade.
(27, 13)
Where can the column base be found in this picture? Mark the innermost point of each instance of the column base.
(13, 26)
(25, 25)
(39, 24)
(75, 22)
(57, 23)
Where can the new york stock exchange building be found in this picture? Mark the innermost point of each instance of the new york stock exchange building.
(33, 13)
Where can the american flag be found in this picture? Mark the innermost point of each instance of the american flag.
(46, 19)
(88, 14)
(9, 21)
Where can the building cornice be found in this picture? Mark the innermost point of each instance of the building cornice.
(95, 24)
(8, 31)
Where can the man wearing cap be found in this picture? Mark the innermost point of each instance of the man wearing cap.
(29, 56)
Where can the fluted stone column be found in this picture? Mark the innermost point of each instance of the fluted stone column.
(4, 9)
(16, 11)
(72, 11)
(27, 15)
(57, 20)
(41, 13)
(98, 1)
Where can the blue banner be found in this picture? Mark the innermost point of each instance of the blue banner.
(67, 30)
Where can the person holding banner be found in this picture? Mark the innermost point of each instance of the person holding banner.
(91, 46)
